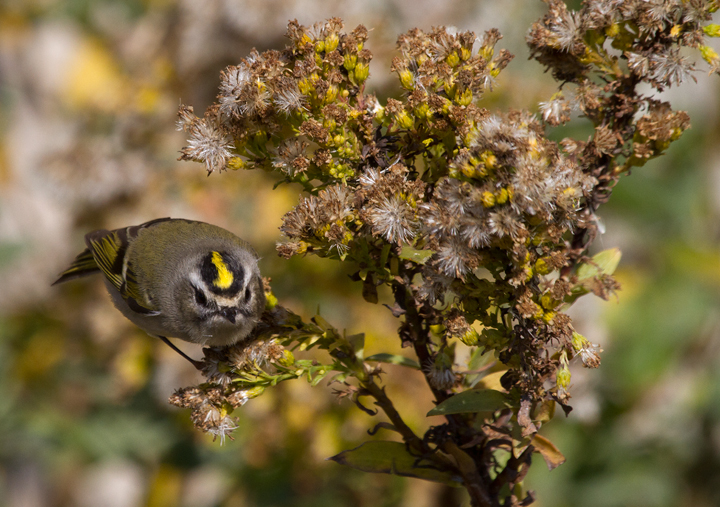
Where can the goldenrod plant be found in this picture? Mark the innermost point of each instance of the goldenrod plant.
(472, 226)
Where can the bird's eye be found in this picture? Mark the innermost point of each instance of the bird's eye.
(200, 297)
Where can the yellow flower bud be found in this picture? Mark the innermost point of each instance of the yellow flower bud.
(270, 301)
(287, 360)
(467, 169)
(423, 111)
(488, 159)
(548, 302)
(452, 59)
(362, 71)
(236, 163)
(562, 378)
(548, 317)
(406, 79)
(502, 196)
(539, 313)
(380, 113)
(331, 94)
(488, 199)
(349, 61)
(578, 341)
(708, 54)
(486, 53)
(404, 120)
(612, 30)
(465, 98)
(305, 86)
(712, 30)
(470, 338)
(331, 43)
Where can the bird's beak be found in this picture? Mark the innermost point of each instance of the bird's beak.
(230, 313)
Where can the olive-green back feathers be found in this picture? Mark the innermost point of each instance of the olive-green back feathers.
(105, 253)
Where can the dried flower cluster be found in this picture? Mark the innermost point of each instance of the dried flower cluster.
(226, 370)
(477, 221)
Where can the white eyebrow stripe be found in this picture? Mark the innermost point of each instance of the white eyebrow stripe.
(196, 279)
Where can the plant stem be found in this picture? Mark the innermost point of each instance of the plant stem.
(382, 401)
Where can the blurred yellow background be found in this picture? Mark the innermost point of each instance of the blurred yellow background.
(88, 96)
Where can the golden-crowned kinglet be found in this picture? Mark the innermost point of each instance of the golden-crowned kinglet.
(177, 278)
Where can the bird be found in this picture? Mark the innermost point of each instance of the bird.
(177, 278)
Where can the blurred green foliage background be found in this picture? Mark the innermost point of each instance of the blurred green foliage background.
(88, 96)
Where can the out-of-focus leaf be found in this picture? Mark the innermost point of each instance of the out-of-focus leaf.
(384, 255)
(480, 358)
(474, 400)
(552, 456)
(369, 289)
(491, 381)
(380, 456)
(479, 362)
(604, 263)
(417, 256)
(545, 411)
(357, 342)
(321, 323)
(394, 359)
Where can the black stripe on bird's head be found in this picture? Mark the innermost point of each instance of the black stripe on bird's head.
(222, 273)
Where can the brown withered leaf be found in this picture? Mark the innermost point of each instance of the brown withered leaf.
(551, 454)
(524, 419)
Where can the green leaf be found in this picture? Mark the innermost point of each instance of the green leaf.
(480, 358)
(318, 378)
(394, 359)
(417, 256)
(474, 400)
(491, 381)
(357, 342)
(384, 457)
(369, 289)
(604, 263)
(321, 323)
(384, 255)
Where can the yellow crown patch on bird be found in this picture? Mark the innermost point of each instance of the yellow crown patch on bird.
(224, 276)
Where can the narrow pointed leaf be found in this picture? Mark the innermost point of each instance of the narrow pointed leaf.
(380, 456)
(605, 263)
(474, 400)
(394, 359)
(357, 342)
(417, 256)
